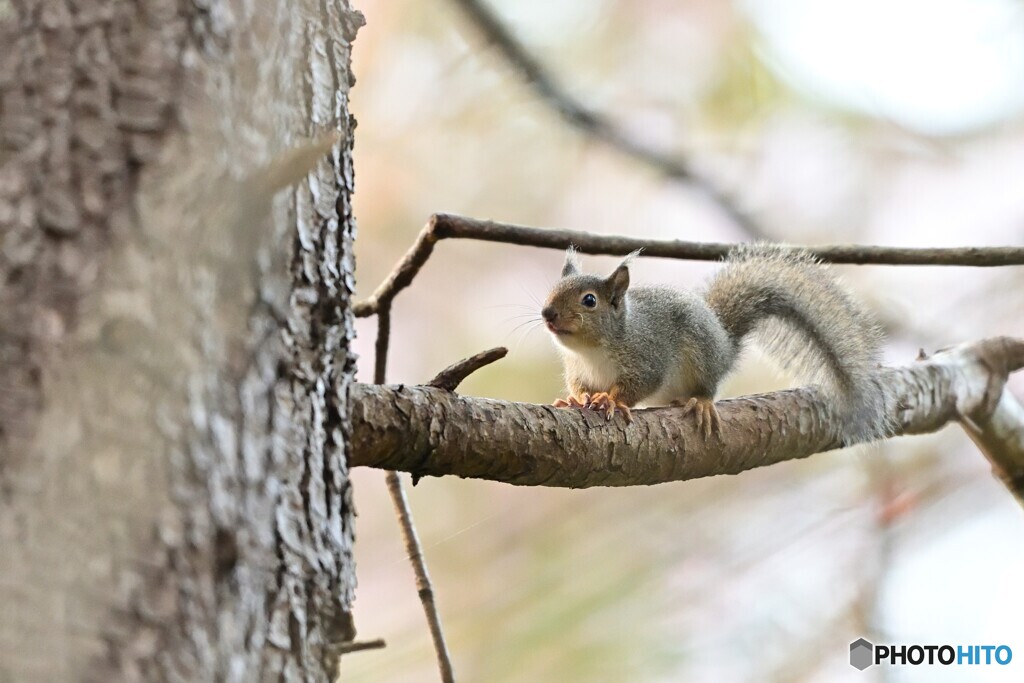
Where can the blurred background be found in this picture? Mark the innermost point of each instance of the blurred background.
(895, 122)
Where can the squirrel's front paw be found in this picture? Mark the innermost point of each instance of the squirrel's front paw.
(706, 413)
(604, 401)
(571, 402)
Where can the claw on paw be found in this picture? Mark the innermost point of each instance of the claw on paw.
(706, 414)
(608, 404)
(601, 402)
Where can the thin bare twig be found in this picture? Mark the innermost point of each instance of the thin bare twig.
(380, 357)
(404, 514)
(591, 123)
(447, 226)
(451, 377)
(362, 645)
(426, 592)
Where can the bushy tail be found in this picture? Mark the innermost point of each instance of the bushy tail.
(804, 317)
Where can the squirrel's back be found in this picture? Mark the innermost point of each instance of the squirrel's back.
(804, 317)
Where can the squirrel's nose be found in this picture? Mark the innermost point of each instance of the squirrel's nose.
(549, 313)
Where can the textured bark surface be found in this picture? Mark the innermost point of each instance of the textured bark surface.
(85, 95)
(432, 432)
(175, 501)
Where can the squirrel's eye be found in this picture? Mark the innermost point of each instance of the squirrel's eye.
(589, 300)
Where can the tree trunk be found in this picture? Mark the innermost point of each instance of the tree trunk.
(174, 363)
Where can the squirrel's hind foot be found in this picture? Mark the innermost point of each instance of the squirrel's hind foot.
(704, 410)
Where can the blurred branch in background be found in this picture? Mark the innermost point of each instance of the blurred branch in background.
(577, 114)
(891, 504)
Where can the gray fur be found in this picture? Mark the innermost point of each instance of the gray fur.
(657, 345)
(804, 317)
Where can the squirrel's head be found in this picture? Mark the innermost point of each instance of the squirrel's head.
(583, 310)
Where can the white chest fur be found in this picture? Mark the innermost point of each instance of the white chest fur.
(593, 368)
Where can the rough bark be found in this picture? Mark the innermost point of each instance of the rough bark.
(433, 432)
(175, 501)
(84, 101)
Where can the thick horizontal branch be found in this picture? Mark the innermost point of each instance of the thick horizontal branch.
(447, 226)
(432, 432)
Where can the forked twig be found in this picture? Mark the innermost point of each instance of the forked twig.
(447, 226)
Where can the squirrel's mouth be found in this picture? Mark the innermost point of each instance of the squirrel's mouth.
(556, 330)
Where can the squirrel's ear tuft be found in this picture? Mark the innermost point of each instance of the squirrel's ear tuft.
(572, 263)
(629, 258)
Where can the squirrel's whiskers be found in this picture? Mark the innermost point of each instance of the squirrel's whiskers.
(532, 323)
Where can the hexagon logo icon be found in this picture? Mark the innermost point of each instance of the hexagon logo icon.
(861, 654)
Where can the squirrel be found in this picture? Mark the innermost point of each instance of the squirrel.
(624, 346)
